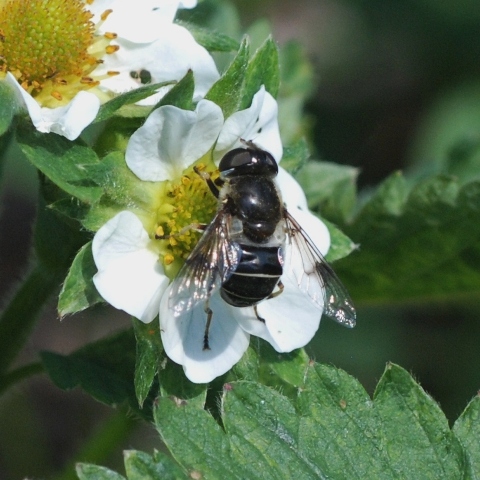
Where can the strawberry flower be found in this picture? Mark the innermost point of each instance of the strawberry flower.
(102, 48)
(136, 261)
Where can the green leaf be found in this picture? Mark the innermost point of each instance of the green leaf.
(296, 71)
(56, 241)
(5, 142)
(419, 244)
(446, 140)
(211, 40)
(195, 440)
(248, 367)
(64, 162)
(285, 369)
(296, 86)
(467, 430)
(330, 429)
(174, 383)
(122, 190)
(262, 425)
(109, 108)
(78, 291)
(340, 245)
(8, 106)
(87, 471)
(295, 156)
(227, 91)
(418, 440)
(104, 369)
(263, 69)
(141, 466)
(181, 95)
(70, 207)
(148, 356)
(330, 189)
(341, 430)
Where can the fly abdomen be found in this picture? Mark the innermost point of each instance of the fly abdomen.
(255, 277)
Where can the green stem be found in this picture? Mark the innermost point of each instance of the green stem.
(19, 374)
(102, 444)
(18, 319)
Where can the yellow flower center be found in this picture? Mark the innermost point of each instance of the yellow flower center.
(51, 47)
(186, 204)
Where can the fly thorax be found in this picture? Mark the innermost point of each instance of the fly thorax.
(257, 204)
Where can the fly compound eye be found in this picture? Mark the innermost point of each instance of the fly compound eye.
(235, 160)
(247, 161)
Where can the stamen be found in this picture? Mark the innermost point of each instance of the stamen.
(185, 208)
(168, 259)
(159, 232)
(112, 49)
(52, 46)
(105, 14)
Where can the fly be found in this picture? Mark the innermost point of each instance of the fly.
(242, 251)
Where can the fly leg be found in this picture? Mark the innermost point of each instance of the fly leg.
(208, 311)
(211, 184)
(281, 287)
(257, 315)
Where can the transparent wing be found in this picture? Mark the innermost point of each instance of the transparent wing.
(211, 262)
(315, 276)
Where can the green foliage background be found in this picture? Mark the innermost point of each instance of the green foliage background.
(394, 114)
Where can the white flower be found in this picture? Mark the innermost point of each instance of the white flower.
(151, 43)
(131, 276)
(134, 43)
(172, 139)
(68, 121)
(258, 124)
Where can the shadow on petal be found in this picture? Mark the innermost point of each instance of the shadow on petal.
(184, 336)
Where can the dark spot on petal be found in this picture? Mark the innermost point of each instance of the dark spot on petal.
(145, 77)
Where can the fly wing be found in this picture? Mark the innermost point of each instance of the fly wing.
(210, 263)
(316, 277)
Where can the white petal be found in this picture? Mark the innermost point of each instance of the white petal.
(129, 277)
(314, 228)
(291, 319)
(301, 261)
(292, 193)
(139, 22)
(258, 124)
(172, 139)
(294, 198)
(25, 99)
(68, 121)
(168, 57)
(188, 4)
(266, 134)
(183, 336)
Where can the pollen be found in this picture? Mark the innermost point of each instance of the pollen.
(112, 49)
(187, 205)
(168, 259)
(51, 46)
